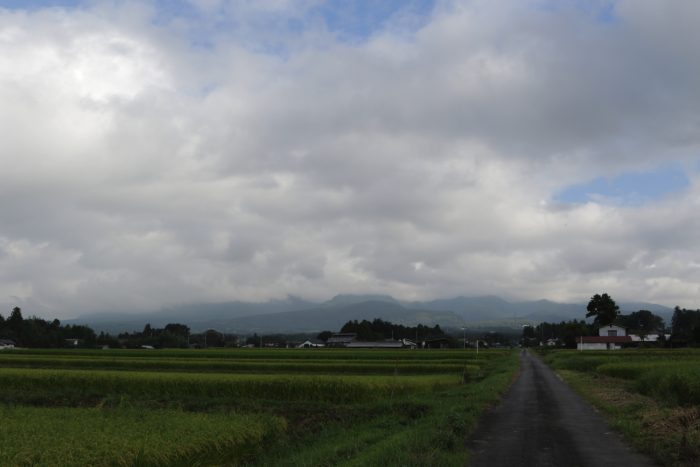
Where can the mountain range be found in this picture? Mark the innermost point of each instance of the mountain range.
(295, 315)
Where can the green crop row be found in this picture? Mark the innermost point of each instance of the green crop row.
(126, 437)
(73, 386)
(283, 354)
(236, 366)
(277, 419)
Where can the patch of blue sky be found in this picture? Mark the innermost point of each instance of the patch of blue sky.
(358, 20)
(629, 188)
(601, 11)
(39, 4)
(350, 21)
(608, 14)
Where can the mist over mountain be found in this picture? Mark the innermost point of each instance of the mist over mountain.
(294, 314)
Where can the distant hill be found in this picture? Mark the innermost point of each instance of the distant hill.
(297, 315)
(197, 316)
(333, 316)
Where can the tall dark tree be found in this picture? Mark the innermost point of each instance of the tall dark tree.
(685, 326)
(603, 308)
(15, 320)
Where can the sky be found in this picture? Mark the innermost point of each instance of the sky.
(159, 153)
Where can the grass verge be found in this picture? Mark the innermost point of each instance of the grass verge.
(669, 434)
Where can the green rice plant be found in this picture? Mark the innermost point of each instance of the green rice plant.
(73, 386)
(410, 404)
(425, 429)
(126, 437)
(415, 355)
(235, 366)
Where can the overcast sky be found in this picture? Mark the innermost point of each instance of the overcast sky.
(198, 151)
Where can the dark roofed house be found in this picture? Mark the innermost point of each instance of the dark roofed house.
(341, 339)
(438, 343)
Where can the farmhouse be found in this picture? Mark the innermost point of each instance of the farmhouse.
(613, 337)
(609, 337)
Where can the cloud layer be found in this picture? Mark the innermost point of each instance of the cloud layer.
(250, 150)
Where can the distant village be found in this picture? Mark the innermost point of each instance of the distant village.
(606, 329)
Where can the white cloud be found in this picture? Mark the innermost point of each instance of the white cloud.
(141, 169)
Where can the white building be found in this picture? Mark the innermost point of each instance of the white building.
(612, 331)
(609, 337)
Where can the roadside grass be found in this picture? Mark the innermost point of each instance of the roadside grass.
(669, 433)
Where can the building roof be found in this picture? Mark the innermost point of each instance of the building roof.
(312, 342)
(382, 344)
(341, 338)
(603, 339)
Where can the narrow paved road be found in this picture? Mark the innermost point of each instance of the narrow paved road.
(541, 422)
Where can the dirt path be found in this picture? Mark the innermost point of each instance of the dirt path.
(542, 422)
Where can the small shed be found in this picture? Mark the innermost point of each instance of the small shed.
(7, 344)
(439, 343)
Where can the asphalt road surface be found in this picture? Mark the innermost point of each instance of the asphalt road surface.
(541, 422)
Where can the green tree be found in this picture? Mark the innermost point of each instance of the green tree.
(324, 335)
(643, 323)
(603, 308)
(684, 326)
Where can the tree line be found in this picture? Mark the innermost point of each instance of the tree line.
(37, 332)
(378, 330)
(684, 331)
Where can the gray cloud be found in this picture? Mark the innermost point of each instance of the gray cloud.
(142, 168)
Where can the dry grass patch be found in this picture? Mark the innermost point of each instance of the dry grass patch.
(670, 434)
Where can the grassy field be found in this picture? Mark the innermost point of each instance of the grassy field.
(651, 395)
(244, 406)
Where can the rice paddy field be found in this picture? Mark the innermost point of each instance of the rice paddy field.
(651, 395)
(244, 406)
